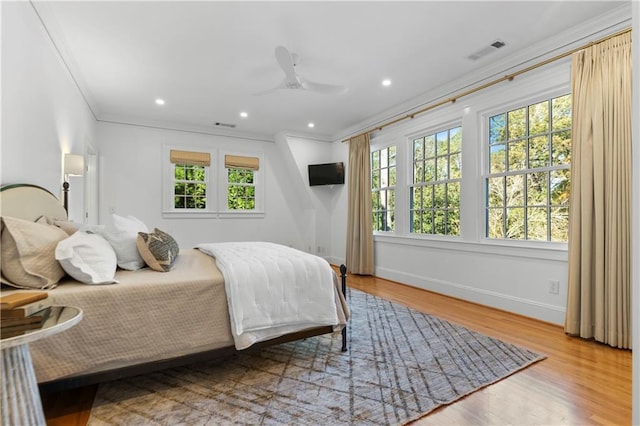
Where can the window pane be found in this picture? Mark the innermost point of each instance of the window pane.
(497, 128)
(455, 143)
(537, 223)
(427, 222)
(515, 191)
(392, 155)
(517, 124)
(416, 199)
(539, 118)
(517, 155)
(561, 148)
(375, 178)
(384, 158)
(427, 197)
(190, 202)
(375, 160)
(418, 149)
(537, 189)
(559, 185)
(392, 176)
(453, 222)
(442, 143)
(539, 152)
(418, 172)
(495, 218)
(497, 157)
(561, 112)
(439, 196)
(179, 203)
(439, 223)
(515, 223)
(559, 224)
(442, 168)
(429, 146)
(453, 194)
(384, 178)
(375, 201)
(495, 191)
(429, 170)
(455, 171)
(179, 172)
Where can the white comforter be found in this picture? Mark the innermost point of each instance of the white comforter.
(273, 289)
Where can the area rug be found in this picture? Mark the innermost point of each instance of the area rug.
(401, 364)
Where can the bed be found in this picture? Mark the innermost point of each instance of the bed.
(148, 320)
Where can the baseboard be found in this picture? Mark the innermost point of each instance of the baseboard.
(525, 307)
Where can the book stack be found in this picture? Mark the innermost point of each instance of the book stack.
(23, 311)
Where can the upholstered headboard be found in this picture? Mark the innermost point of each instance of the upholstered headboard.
(29, 202)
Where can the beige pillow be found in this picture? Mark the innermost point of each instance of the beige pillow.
(158, 249)
(67, 226)
(28, 254)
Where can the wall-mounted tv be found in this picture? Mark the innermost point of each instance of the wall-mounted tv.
(326, 174)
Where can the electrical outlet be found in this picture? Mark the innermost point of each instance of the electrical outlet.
(554, 286)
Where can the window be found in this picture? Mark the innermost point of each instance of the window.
(241, 182)
(383, 182)
(189, 179)
(527, 187)
(435, 191)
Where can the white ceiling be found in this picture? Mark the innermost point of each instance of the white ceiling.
(207, 59)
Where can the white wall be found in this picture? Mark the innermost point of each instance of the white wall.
(131, 175)
(513, 276)
(43, 113)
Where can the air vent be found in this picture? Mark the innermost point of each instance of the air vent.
(231, 126)
(487, 50)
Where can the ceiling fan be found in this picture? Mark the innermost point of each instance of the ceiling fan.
(292, 81)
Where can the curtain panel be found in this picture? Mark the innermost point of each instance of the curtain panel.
(359, 256)
(599, 291)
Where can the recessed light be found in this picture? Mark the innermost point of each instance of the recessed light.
(243, 114)
(160, 101)
(386, 82)
(311, 125)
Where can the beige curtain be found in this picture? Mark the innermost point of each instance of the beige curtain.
(599, 299)
(359, 220)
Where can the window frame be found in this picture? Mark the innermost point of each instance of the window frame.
(394, 188)
(258, 184)
(168, 185)
(484, 129)
(445, 126)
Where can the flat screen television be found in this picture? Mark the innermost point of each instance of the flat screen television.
(326, 174)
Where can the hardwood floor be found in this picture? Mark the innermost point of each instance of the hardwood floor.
(580, 383)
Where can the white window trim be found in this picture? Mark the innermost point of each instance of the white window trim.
(258, 178)
(168, 209)
(442, 126)
(483, 117)
(379, 147)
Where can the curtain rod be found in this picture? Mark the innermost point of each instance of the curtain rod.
(509, 77)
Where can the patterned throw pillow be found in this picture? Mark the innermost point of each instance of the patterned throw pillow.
(158, 249)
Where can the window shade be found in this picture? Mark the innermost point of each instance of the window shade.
(190, 157)
(240, 162)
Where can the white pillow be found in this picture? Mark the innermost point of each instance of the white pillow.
(88, 258)
(122, 234)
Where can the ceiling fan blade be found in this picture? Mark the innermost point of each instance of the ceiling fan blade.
(286, 63)
(282, 85)
(328, 89)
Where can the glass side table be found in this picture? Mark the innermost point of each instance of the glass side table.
(21, 403)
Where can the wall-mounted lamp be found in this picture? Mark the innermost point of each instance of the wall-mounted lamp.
(73, 166)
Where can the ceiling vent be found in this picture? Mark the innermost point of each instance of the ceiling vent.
(485, 51)
(229, 125)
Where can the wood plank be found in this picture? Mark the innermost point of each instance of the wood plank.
(581, 382)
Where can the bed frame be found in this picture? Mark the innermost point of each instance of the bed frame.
(31, 202)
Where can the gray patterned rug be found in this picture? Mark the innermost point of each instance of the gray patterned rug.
(401, 365)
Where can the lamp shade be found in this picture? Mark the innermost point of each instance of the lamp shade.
(73, 164)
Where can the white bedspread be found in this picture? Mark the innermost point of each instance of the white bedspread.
(273, 289)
